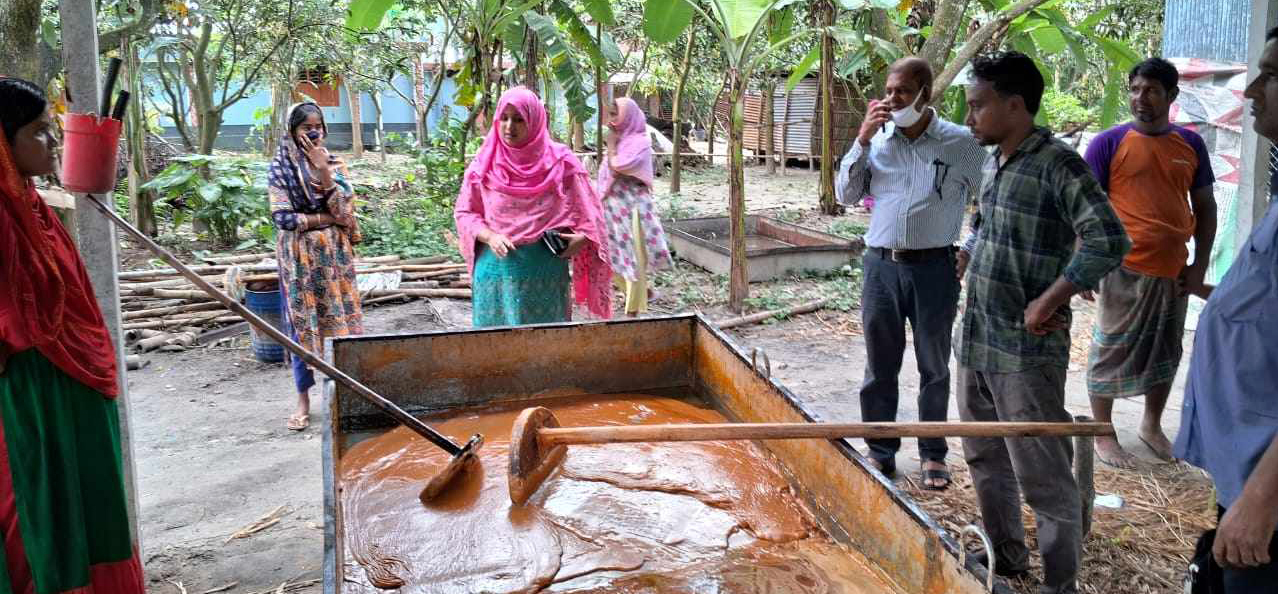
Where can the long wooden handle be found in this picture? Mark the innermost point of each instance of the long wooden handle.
(376, 399)
(733, 431)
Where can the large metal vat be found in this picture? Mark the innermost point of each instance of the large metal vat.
(431, 374)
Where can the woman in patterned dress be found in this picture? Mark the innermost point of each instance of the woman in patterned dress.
(313, 208)
(521, 185)
(638, 243)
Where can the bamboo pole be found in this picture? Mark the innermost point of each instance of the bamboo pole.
(451, 293)
(802, 308)
(237, 259)
(164, 311)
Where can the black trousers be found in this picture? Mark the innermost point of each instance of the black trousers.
(924, 294)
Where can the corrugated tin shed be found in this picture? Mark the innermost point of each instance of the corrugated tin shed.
(1206, 29)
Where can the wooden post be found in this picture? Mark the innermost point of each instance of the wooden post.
(785, 131)
(738, 282)
(769, 126)
(96, 235)
(829, 205)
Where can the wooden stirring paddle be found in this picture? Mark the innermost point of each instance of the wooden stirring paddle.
(538, 443)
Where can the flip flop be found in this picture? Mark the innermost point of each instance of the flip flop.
(298, 423)
(935, 474)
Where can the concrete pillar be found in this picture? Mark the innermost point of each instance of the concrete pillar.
(1254, 182)
(96, 235)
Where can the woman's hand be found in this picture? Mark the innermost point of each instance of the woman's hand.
(498, 243)
(318, 156)
(576, 241)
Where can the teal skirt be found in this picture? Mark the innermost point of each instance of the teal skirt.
(528, 286)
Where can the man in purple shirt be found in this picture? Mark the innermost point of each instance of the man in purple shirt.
(1229, 426)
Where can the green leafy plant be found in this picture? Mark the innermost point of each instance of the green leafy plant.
(226, 193)
(848, 228)
(1064, 109)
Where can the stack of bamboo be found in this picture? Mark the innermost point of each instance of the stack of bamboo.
(161, 309)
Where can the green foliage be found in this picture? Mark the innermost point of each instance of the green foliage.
(1063, 109)
(413, 222)
(366, 15)
(665, 20)
(849, 228)
(227, 193)
(569, 73)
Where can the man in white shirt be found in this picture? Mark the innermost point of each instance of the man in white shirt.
(922, 172)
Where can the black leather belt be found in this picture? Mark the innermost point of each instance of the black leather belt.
(912, 256)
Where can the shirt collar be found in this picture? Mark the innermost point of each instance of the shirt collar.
(1036, 139)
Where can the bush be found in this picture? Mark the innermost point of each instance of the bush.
(226, 193)
(1064, 110)
(416, 223)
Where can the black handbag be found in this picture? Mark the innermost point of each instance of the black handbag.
(554, 241)
(1204, 575)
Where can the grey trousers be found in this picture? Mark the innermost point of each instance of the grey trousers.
(924, 294)
(1040, 467)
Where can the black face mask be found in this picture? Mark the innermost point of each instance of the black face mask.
(313, 135)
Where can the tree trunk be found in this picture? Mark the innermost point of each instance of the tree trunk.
(676, 162)
(379, 132)
(357, 125)
(769, 142)
(829, 205)
(281, 98)
(578, 136)
(141, 203)
(20, 54)
(210, 125)
(738, 281)
(978, 40)
(419, 97)
(945, 26)
(530, 60)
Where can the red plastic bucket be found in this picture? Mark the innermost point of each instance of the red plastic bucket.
(90, 144)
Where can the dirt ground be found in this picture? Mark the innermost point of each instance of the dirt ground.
(213, 456)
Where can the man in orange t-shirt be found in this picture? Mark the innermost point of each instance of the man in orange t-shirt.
(1159, 180)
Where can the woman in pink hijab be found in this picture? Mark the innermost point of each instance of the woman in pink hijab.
(637, 240)
(527, 210)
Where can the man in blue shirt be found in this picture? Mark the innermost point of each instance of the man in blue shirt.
(1229, 426)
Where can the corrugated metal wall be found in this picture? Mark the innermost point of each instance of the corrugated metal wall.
(1206, 29)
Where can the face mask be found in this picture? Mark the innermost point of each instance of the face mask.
(313, 135)
(907, 116)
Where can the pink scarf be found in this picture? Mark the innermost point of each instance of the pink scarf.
(523, 191)
(633, 153)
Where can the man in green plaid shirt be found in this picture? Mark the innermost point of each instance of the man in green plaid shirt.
(1045, 231)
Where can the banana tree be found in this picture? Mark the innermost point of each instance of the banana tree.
(738, 26)
(573, 51)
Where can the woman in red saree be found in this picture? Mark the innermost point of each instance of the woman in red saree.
(64, 526)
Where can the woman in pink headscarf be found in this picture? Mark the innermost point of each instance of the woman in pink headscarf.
(637, 240)
(526, 210)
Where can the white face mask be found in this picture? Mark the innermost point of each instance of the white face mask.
(907, 116)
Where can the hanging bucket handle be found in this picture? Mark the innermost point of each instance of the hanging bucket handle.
(972, 529)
